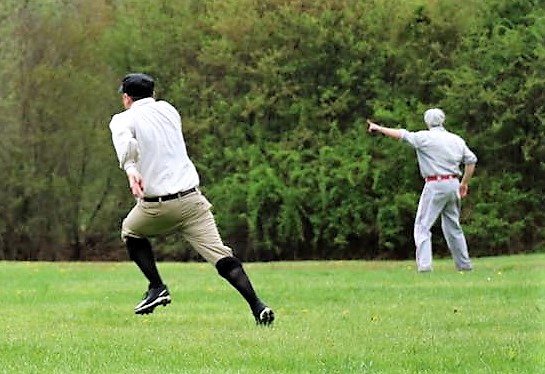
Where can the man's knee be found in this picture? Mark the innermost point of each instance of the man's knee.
(422, 230)
(135, 244)
(227, 264)
(133, 239)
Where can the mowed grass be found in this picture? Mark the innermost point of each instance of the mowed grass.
(332, 317)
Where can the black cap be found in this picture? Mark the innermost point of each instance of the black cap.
(137, 85)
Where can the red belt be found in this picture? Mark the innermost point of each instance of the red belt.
(432, 178)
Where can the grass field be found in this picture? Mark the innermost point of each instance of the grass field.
(332, 317)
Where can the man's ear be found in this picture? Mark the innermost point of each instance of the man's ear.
(127, 101)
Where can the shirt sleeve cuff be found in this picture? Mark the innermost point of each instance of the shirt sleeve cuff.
(129, 167)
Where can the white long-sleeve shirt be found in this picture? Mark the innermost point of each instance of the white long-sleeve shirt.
(439, 151)
(148, 137)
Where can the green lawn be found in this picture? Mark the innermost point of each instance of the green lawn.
(332, 317)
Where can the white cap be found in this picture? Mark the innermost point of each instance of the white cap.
(434, 117)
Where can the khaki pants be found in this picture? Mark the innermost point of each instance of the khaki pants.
(190, 214)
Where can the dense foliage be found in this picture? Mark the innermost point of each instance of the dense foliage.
(274, 95)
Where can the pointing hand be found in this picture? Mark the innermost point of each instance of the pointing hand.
(372, 126)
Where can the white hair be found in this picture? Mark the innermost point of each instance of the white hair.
(434, 117)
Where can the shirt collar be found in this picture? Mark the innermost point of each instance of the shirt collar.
(437, 128)
(144, 101)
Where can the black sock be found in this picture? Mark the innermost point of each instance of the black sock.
(141, 253)
(231, 269)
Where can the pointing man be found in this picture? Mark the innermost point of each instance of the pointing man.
(149, 144)
(440, 154)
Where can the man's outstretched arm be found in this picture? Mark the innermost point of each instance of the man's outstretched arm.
(392, 133)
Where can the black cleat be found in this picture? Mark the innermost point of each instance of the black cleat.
(153, 298)
(263, 315)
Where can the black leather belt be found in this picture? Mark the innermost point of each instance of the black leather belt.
(169, 197)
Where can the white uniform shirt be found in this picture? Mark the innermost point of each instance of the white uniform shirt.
(439, 152)
(148, 137)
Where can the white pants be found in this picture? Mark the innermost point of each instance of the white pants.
(440, 198)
